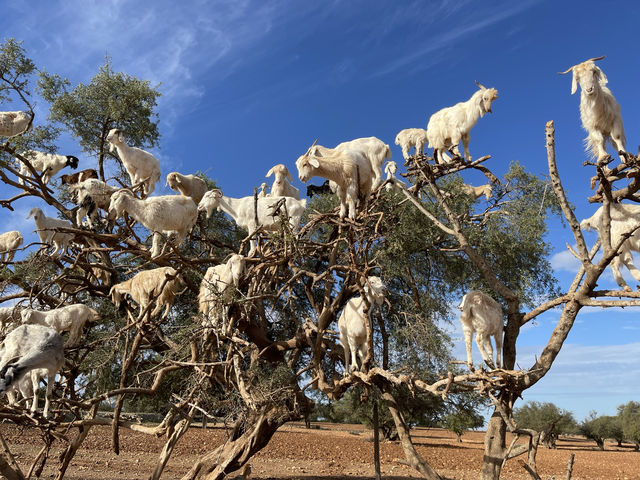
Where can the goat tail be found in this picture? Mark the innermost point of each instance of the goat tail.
(387, 151)
(9, 374)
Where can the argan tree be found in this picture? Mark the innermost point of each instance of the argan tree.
(256, 367)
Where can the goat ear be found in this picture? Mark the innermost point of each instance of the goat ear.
(289, 175)
(602, 78)
(270, 172)
(314, 162)
(574, 82)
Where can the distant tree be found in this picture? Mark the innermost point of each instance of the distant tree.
(601, 428)
(546, 417)
(111, 99)
(419, 410)
(464, 416)
(629, 414)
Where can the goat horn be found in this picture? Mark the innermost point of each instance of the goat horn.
(312, 145)
(595, 59)
(480, 85)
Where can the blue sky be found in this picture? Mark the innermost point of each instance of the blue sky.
(248, 84)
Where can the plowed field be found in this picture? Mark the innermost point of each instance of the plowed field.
(326, 451)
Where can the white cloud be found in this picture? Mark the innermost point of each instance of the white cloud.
(565, 261)
(585, 378)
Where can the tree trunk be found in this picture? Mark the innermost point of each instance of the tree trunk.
(179, 430)
(68, 454)
(8, 472)
(376, 439)
(232, 455)
(414, 459)
(494, 447)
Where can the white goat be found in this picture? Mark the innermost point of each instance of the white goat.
(91, 194)
(624, 218)
(144, 288)
(599, 110)
(477, 192)
(243, 212)
(373, 149)
(411, 137)
(448, 126)
(263, 190)
(352, 326)
(350, 170)
(14, 123)
(281, 186)
(139, 164)
(46, 228)
(48, 164)
(390, 170)
(483, 315)
(9, 243)
(70, 318)
(30, 347)
(187, 185)
(9, 318)
(166, 214)
(216, 290)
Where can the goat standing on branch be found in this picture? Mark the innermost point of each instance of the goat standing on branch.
(483, 315)
(30, 347)
(352, 326)
(448, 126)
(242, 211)
(158, 285)
(624, 218)
(281, 186)
(14, 123)
(187, 185)
(139, 164)
(599, 110)
(167, 214)
(48, 164)
(216, 291)
(350, 170)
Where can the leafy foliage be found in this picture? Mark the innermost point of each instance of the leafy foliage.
(601, 428)
(539, 415)
(111, 99)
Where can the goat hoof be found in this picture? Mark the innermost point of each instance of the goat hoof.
(606, 160)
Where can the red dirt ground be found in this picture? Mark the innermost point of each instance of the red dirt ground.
(326, 451)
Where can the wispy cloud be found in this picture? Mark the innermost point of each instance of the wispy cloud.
(175, 44)
(472, 21)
